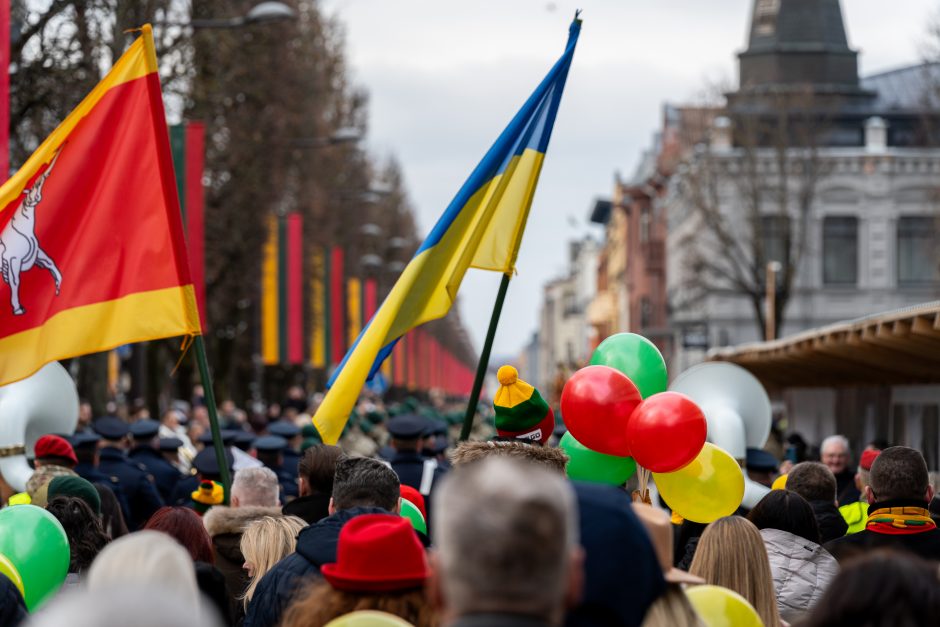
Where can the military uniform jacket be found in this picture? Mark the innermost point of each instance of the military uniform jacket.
(165, 475)
(92, 475)
(137, 483)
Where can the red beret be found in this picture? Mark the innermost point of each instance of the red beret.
(868, 458)
(54, 446)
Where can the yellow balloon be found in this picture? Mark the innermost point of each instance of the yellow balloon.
(710, 487)
(780, 483)
(720, 607)
(368, 618)
(7, 568)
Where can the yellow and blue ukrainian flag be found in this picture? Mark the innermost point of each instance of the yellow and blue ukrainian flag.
(481, 228)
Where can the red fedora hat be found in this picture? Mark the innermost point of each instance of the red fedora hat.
(377, 553)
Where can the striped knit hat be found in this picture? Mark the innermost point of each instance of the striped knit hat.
(521, 412)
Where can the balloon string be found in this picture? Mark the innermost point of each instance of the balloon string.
(642, 495)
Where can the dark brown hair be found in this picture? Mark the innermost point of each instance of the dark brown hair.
(813, 481)
(321, 603)
(787, 511)
(899, 472)
(82, 528)
(880, 588)
(318, 467)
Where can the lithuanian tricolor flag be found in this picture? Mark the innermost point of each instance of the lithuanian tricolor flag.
(91, 242)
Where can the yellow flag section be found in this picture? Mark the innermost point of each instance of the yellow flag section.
(481, 228)
(91, 240)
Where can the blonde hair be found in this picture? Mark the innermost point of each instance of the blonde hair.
(672, 609)
(731, 554)
(265, 542)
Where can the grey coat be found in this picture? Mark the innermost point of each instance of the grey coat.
(802, 570)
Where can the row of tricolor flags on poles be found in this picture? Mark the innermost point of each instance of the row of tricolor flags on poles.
(93, 253)
(316, 320)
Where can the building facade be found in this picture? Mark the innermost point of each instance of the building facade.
(831, 218)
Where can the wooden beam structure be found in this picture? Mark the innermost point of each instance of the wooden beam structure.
(893, 348)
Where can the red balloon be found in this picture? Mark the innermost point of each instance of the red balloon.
(666, 432)
(596, 405)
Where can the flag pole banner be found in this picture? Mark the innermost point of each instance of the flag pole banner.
(91, 239)
(481, 228)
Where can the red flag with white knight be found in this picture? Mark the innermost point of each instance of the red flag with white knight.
(92, 253)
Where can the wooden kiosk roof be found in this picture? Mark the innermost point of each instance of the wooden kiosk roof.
(892, 348)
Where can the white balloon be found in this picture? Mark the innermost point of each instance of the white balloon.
(726, 391)
(46, 402)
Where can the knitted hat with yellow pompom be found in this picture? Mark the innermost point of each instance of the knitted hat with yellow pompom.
(208, 493)
(521, 412)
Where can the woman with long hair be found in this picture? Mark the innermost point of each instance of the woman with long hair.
(264, 543)
(801, 568)
(380, 565)
(185, 526)
(731, 554)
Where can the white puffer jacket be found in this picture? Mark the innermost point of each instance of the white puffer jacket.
(802, 570)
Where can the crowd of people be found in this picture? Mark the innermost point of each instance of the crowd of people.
(400, 518)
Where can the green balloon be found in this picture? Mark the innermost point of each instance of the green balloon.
(35, 543)
(636, 357)
(410, 511)
(587, 465)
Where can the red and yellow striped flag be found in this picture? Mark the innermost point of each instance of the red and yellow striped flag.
(91, 242)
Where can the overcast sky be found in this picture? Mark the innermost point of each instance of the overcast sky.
(445, 78)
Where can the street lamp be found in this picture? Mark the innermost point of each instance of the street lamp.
(261, 13)
(773, 269)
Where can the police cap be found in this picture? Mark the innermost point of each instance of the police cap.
(760, 460)
(284, 429)
(144, 429)
(407, 426)
(110, 427)
(205, 462)
(269, 444)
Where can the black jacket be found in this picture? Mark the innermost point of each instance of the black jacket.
(136, 482)
(926, 544)
(622, 575)
(12, 606)
(165, 475)
(312, 508)
(316, 545)
(846, 491)
(831, 523)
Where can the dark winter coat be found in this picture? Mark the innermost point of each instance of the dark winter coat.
(12, 606)
(312, 508)
(225, 526)
(622, 575)
(926, 544)
(846, 490)
(831, 523)
(316, 545)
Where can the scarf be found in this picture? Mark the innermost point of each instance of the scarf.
(900, 520)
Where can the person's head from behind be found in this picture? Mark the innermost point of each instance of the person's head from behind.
(787, 511)
(264, 543)
(145, 558)
(317, 469)
(899, 473)
(863, 475)
(380, 565)
(880, 588)
(835, 453)
(364, 482)
(507, 541)
(255, 487)
(672, 609)
(82, 527)
(813, 481)
(731, 554)
(185, 526)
